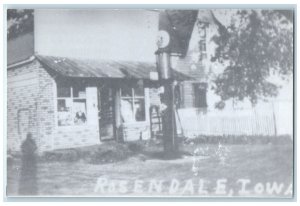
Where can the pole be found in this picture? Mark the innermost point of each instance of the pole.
(168, 121)
(167, 98)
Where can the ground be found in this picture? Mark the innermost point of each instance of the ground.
(138, 169)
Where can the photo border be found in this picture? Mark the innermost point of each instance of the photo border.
(147, 198)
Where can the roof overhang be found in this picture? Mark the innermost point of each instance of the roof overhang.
(102, 69)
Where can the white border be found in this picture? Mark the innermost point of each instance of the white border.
(159, 2)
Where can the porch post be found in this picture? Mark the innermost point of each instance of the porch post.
(117, 116)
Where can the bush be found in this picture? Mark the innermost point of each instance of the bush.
(65, 155)
(109, 152)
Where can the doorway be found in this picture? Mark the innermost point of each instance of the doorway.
(106, 113)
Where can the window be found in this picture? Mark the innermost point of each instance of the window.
(200, 100)
(71, 105)
(202, 45)
(202, 48)
(202, 42)
(133, 103)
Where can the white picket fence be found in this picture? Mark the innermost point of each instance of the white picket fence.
(272, 119)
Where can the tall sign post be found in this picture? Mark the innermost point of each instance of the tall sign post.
(167, 97)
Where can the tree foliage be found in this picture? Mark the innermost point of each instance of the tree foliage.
(256, 45)
(19, 21)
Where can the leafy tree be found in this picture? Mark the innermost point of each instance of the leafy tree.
(19, 21)
(254, 46)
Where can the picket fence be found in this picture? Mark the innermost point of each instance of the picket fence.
(270, 120)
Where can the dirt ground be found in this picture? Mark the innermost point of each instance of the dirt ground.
(202, 170)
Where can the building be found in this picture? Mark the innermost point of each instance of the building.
(81, 84)
(269, 117)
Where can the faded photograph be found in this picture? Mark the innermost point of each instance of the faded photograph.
(150, 103)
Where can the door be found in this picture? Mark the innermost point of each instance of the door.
(106, 113)
(200, 95)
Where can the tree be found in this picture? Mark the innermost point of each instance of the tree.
(256, 45)
(19, 21)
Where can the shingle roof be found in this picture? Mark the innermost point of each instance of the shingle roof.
(71, 67)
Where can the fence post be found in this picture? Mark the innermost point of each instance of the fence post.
(274, 119)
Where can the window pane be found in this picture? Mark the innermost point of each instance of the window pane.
(79, 111)
(63, 91)
(126, 91)
(64, 105)
(64, 112)
(139, 107)
(79, 91)
(127, 110)
(133, 111)
(202, 46)
(139, 91)
(139, 88)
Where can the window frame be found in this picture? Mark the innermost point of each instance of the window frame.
(72, 98)
(132, 98)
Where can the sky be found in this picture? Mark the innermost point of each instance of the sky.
(94, 34)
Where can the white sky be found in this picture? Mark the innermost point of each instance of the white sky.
(97, 34)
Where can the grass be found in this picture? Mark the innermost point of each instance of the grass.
(139, 163)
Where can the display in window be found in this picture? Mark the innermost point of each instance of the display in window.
(127, 110)
(79, 107)
(133, 106)
(64, 113)
(71, 105)
(139, 112)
